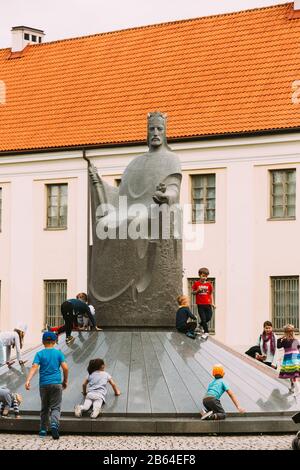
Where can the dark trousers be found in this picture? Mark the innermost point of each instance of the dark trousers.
(213, 404)
(190, 326)
(51, 396)
(205, 313)
(67, 312)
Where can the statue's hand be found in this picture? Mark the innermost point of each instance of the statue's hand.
(160, 197)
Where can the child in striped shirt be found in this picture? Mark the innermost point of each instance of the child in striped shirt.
(9, 401)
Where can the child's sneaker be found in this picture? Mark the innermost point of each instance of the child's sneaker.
(189, 334)
(5, 411)
(95, 413)
(206, 414)
(78, 411)
(10, 363)
(54, 432)
(70, 339)
(204, 336)
(43, 433)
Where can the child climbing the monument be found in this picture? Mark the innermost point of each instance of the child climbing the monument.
(211, 402)
(9, 401)
(49, 361)
(84, 321)
(12, 339)
(290, 367)
(183, 315)
(70, 309)
(94, 388)
(204, 299)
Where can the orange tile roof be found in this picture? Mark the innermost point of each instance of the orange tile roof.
(216, 75)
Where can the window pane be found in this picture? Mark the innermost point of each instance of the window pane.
(211, 192)
(63, 200)
(211, 180)
(291, 188)
(291, 200)
(196, 181)
(64, 189)
(277, 189)
(278, 201)
(210, 204)
(197, 193)
(277, 176)
(291, 211)
(53, 201)
(278, 211)
(53, 189)
(210, 215)
(291, 176)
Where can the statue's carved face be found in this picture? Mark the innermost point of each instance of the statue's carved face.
(156, 132)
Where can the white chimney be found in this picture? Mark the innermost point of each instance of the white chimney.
(22, 36)
(297, 5)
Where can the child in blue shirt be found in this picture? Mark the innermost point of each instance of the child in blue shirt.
(49, 360)
(216, 388)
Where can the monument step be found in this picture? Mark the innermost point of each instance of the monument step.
(152, 425)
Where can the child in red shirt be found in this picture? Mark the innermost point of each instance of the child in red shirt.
(204, 299)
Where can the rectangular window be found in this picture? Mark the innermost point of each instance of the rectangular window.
(55, 295)
(57, 205)
(283, 194)
(26, 36)
(117, 182)
(285, 301)
(203, 198)
(193, 305)
(0, 209)
(33, 38)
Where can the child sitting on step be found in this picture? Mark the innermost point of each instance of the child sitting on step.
(211, 401)
(94, 388)
(186, 322)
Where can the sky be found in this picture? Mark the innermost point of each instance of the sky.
(61, 19)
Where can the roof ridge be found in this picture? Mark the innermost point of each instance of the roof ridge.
(156, 25)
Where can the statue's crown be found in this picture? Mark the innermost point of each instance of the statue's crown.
(156, 115)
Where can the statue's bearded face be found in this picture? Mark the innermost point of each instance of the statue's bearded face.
(156, 132)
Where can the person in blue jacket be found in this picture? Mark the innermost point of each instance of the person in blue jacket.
(183, 315)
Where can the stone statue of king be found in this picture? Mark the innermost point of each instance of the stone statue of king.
(136, 256)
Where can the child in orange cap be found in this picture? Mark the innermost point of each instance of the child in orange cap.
(216, 388)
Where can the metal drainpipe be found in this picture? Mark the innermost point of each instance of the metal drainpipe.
(88, 219)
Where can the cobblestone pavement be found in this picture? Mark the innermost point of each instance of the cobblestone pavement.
(75, 442)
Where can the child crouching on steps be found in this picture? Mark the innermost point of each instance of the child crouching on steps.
(216, 388)
(9, 401)
(95, 388)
